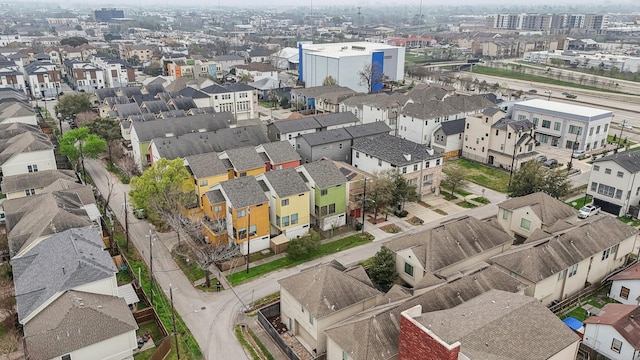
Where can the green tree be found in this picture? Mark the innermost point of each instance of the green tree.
(107, 129)
(402, 191)
(74, 41)
(78, 144)
(329, 80)
(245, 78)
(383, 269)
(454, 177)
(154, 69)
(70, 105)
(379, 194)
(108, 37)
(303, 246)
(533, 177)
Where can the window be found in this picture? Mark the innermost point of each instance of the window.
(408, 269)
(294, 219)
(556, 126)
(404, 170)
(605, 254)
(340, 146)
(546, 124)
(616, 345)
(30, 192)
(243, 174)
(606, 127)
(241, 213)
(379, 162)
(619, 194)
(426, 164)
(437, 162)
(285, 221)
(522, 117)
(620, 174)
(415, 167)
(357, 155)
(32, 168)
(561, 274)
(278, 220)
(624, 292)
(332, 208)
(66, 357)
(573, 270)
(576, 129)
(590, 131)
(323, 192)
(217, 209)
(252, 230)
(508, 135)
(525, 224)
(505, 214)
(285, 202)
(607, 171)
(242, 233)
(310, 319)
(598, 130)
(535, 121)
(606, 190)
(204, 182)
(596, 167)
(344, 355)
(594, 186)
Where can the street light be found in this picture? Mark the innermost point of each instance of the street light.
(548, 92)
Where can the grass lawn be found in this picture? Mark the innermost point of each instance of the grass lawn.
(481, 200)
(611, 140)
(213, 288)
(123, 277)
(506, 73)
(578, 313)
(441, 212)
(484, 175)
(630, 222)
(447, 195)
(462, 192)
(579, 202)
(286, 262)
(190, 268)
(467, 205)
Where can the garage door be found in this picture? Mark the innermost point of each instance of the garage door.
(607, 206)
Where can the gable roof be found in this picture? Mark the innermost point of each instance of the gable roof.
(325, 137)
(244, 158)
(154, 106)
(324, 173)
(453, 127)
(205, 165)
(15, 109)
(324, 290)
(630, 273)
(183, 103)
(62, 262)
(546, 258)
(450, 243)
(286, 182)
(212, 141)
(35, 180)
(301, 124)
(147, 130)
(23, 143)
(280, 152)
(629, 160)
(497, 325)
(369, 129)
(334, 119)
(547, 208)
(243, 192)
(621, 317)
(9, 130)
(394, 150)
(77, 313)
(125, 110)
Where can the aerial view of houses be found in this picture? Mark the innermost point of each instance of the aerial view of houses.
(339, 182)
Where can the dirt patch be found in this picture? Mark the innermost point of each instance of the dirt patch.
(415, 221)
(375, 221)
(391, 228)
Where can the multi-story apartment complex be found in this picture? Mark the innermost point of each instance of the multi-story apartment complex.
(83, 76)
(117, 73)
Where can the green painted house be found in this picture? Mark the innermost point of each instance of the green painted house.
(328, 190)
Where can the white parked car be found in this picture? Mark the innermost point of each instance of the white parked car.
(587, 211)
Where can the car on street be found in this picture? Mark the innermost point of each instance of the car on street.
(578, 154)
(533, 91)
(588, 210)
(627, 127)
(541, 158)
(571, 96)
(565, 93)
(551, 163)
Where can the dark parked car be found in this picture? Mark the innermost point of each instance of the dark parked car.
(551, 163)
(571, 96)
(541, 158)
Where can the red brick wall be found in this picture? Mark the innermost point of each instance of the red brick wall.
(416, 344)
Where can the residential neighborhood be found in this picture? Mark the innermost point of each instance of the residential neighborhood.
(314, 181)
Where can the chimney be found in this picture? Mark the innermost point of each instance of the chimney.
(417, 342)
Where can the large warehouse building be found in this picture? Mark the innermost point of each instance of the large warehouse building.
(343, 62)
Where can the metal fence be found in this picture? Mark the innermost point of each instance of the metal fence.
(268, 312)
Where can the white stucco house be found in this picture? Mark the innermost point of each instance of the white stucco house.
(614, 332)
(25, 153)
(613, 183)
(625, 286)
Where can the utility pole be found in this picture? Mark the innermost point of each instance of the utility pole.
(151, 264)
(126, 222)
(364, 200)
(248, 236)
(624, 122)
(173, 317)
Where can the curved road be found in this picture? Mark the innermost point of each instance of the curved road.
(211, 316)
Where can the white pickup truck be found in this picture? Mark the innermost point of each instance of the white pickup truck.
(588, 210)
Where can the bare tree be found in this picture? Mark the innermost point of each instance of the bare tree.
(370, 75)
(128, 165)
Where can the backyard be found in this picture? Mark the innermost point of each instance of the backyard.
(484, 175)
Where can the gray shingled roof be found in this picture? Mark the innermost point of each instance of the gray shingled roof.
(286, 182)
(447, 244)
(126, 110)
(453, 127)
(394, 150)
(498, 325)
(91, 318)
(325, 173)
(243, 191)
(205, 165)
(245, 158)
(9, 130)
(183, 103)
(324, 290)
(215, 196)
(23, 143)
(213, 141)
(370, 129)
(280, 152)
(302, 124)
(15, 109)
(64, 261)
(325, 137)
(154, 106)
(548, 209)
(629, 160)
(541, 260)
(333, 119)
(35, 180)
(147, 130)
(377, 331)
